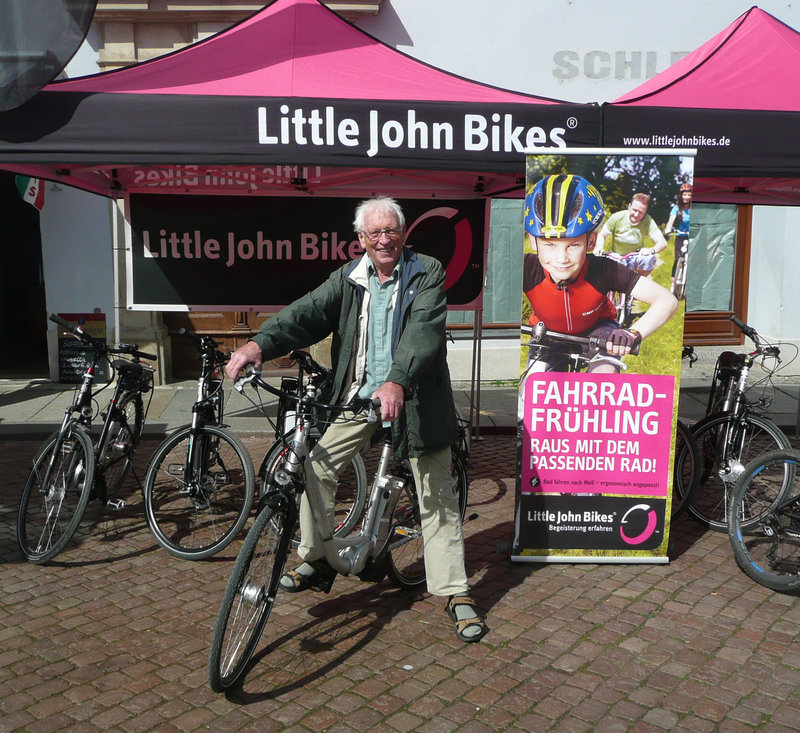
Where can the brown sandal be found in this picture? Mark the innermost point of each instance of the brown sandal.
(463, 624)
(321, 579)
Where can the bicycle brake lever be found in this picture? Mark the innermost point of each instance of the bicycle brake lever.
(251, 372)
(373, 411)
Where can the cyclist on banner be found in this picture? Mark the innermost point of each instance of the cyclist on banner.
(387, 312)
(678, 221)
(567, 286)
(630, 230)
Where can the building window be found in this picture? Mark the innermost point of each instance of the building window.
(717, 274)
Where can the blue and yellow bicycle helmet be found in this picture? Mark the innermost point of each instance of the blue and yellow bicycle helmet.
(562, 206)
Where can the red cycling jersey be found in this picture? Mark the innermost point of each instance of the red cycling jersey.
(575, 306)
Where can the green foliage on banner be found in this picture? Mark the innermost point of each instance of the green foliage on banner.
(618, 177)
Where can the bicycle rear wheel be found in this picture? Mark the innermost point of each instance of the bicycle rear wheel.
(116, 454)
(406, 567)
(768, 549)
(679, 286)
(351, 491)
(51, 509)
(197, 495)
(727, 444)
(686, 471)
(249, 595)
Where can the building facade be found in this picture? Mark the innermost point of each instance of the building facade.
(573, 50)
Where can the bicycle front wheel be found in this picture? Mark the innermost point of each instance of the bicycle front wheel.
(116, 454)
(768, 549)
(198, 491)
(679, 286)
(351, 490)
(727, 443)
(686, 471)
(55, 495)
(249, 595)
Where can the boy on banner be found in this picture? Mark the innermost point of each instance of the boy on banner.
(568, 287)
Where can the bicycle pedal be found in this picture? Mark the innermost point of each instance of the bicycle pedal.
(115, 504)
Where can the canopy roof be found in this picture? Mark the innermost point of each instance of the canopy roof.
(294, 87)
(737, 100)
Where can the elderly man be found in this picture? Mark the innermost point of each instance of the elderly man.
(387, 314)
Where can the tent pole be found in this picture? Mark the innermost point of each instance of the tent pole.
(475, 384)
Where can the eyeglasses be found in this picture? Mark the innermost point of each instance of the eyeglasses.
(375, 234)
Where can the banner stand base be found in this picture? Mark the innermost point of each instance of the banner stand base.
(626, 560)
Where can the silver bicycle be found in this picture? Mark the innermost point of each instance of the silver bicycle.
(389, 541)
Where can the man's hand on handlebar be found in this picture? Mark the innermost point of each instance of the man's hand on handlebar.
(250, 353)
(622, 341)
(392, 399)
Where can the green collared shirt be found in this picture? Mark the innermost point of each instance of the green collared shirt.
(379, 330)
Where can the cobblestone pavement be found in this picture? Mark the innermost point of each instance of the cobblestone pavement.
(114, 635)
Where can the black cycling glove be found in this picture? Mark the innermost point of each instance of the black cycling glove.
(623, 337)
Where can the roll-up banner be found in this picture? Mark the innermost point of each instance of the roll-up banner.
(600, 357)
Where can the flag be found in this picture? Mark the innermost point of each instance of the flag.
(31, 190)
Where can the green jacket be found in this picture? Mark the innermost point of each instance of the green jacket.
(419, 351)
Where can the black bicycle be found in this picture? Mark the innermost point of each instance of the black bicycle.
(764, 520)
(200, 482)
(70, 468)
(733, 433)
(687, 466)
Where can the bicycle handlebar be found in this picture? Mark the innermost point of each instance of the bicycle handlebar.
(205, 345)
(540, 334)
(253, 376)
(76, 331)
(315, 371)
(748, 331)
(752, 334)
(132, 350)
(99, 346)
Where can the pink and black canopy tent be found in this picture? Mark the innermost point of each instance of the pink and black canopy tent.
(737, 100)
(290, 100)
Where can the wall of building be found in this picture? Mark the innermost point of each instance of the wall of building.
(577, 50)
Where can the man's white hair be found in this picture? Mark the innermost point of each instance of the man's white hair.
(378, 205)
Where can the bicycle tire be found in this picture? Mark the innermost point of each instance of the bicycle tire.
(351, 491)
(754, 435)
(406, 567)
(249, 596)
(115, 456)
(768, 550)
(619, 301)
(48, 518)
(686, 470)
(195, 518)
(679, 286)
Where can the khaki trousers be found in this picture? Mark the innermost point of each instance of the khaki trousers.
(441, 520)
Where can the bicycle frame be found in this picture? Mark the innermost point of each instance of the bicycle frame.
(79, 412)
(208, 408)
(347, 555)
(130, 377)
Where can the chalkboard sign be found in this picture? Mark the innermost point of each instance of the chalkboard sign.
(74, 356)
